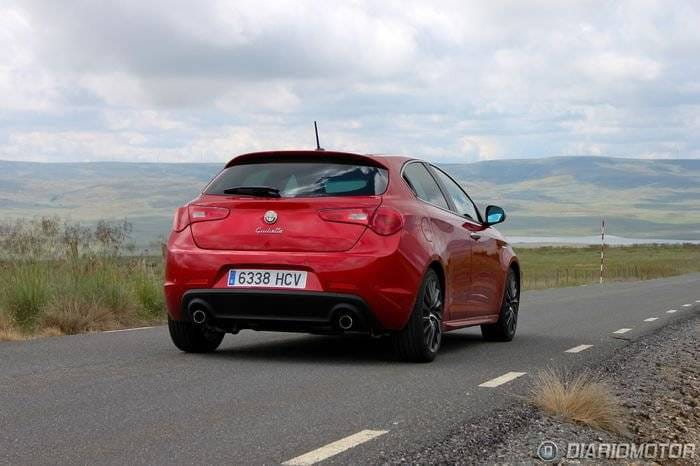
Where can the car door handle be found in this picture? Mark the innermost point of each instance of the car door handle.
(474, 235)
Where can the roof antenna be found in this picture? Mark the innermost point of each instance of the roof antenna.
(318, 145)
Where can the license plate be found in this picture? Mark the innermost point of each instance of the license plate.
(266, 278)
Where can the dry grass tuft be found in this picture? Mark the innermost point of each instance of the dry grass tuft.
(51, 332)
(581, 398)
(70, 315)
(8, 332)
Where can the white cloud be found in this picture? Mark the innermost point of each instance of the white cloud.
(612, 66)
(448, 80)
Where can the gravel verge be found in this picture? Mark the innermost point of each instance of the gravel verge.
(657, 378)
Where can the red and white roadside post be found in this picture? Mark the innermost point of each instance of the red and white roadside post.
(602, 248)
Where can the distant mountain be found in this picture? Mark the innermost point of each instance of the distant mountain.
(549, 197)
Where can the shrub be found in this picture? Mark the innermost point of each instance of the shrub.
(149, 291)
(581, 398)
(8, 332)
(58, 277)
(26, 291)
(75, 314)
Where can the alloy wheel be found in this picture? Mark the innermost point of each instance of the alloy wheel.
(512, 301)
(432, 315)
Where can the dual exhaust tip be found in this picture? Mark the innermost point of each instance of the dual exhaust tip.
(346, 315)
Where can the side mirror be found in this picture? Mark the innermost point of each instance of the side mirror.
(494, 215)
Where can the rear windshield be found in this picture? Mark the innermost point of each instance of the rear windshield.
(304, 178)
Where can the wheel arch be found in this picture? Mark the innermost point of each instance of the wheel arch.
(437, 266)
(515, 265)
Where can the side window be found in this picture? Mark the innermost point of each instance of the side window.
(462, 203)
(424, 184)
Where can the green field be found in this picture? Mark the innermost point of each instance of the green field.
(548, 267)
(60, 278)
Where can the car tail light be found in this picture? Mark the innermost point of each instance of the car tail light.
(386, 221)
(357, 215)
(187, 215)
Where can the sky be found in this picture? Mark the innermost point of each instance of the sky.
(448, 81)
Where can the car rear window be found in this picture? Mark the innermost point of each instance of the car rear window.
(304, 178)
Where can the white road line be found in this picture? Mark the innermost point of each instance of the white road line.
(507, 377)
(622, 330)
(651, 319)
(698, 301)
(127, 329)
(578, 349)
(671, 311)
(336, 447)
(687, 305)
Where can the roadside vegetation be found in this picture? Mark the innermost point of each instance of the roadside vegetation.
(58, 277)
(557, 266)
(61, 278)
(581, 398)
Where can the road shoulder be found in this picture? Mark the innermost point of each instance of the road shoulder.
(657, 378)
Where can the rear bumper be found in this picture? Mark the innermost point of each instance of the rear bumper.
(375, 276)
(278, 310)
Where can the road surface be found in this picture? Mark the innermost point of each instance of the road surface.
(131, 397)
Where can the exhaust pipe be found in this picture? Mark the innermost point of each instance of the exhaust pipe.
(346, 317)
(199, 311)
(199, 316)
(345, 321)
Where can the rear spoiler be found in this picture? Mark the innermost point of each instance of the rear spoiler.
(311, 155)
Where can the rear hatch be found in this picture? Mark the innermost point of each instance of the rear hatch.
(292, 203)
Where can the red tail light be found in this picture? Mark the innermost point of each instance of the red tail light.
(357, 215)
(195, 213)
(384, 220)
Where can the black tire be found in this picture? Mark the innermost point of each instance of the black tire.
(504, 329)
(420, 339)
(193, 338)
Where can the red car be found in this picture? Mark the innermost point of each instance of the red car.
(332, 242)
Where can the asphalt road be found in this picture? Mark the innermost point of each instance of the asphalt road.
(131, 397)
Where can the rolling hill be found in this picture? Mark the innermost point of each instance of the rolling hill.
(559, 196)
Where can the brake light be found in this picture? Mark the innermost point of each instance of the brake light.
(187, 215)
(357, 215)
(386, 221)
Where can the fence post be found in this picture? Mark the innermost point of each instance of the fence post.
(602, 248)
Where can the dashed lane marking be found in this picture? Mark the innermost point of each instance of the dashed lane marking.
(578, 349)
(651, 319)
(622, 330)
(127, 329)
(505, 378)
(671, 311)
(336, 447)
(687, 305)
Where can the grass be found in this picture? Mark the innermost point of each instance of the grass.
(549, 267)
(75, 297)
(58, 279)
(580, 398)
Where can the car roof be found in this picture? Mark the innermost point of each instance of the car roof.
(382, 159)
